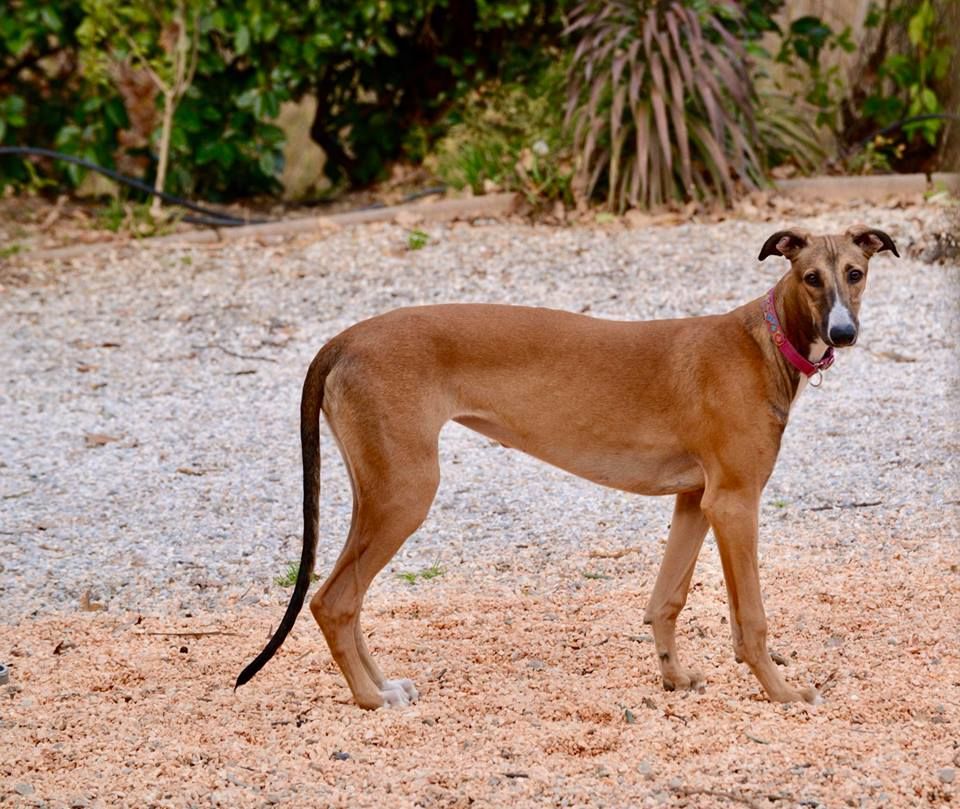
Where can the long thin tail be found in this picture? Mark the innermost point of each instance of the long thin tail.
(311, 404)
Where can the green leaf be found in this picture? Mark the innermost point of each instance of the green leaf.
(247, 100)
(50, 18)
(386, 46)
(920, 23)
(241, 40)
(267, 163)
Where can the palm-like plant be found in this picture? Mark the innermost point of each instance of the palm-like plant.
(661, 103)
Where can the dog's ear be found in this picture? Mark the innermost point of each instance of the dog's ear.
(871, 240)
(786, 243)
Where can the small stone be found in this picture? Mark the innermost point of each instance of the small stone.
(535, 664)
(23, 789)
(339, 755)
(947, 775)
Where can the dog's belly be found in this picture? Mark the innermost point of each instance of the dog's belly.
(652, 469)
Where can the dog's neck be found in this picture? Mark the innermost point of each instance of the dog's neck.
(795, 320)
(799, 328)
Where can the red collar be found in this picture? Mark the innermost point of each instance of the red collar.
(794, 357)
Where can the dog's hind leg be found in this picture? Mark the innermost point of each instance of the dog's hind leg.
(392, 496)
(687, 530)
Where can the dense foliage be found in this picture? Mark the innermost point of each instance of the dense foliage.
(668, 100)
(383, 71)
(511, 135)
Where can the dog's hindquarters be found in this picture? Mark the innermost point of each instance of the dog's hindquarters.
(391, 454)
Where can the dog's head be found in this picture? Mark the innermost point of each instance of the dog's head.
(830, 274)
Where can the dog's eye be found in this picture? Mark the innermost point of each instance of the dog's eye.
(812, 279)
(854, 275)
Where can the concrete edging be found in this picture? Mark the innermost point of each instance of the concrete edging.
(442, 210)
(870, 188)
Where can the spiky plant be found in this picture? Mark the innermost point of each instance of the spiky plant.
(786, 133)
(661, 103)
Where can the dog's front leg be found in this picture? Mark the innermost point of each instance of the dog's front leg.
(687, 530)
(734, 514)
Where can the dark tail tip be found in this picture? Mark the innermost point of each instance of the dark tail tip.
(286, 624)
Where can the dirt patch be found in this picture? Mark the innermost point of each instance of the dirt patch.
(525, 699)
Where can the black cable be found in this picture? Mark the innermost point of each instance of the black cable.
(212, 218)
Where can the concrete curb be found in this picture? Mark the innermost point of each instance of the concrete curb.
(492, 205)
(870, 188)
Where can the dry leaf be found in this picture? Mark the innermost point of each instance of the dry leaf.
(93, 440)
(86, 605)
(408, 219)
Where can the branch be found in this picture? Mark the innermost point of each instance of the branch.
(180, 52)
(194, 49)
(145, 64)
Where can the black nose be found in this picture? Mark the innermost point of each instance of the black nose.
(843, 335)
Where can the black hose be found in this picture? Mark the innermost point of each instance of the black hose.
(211, 217)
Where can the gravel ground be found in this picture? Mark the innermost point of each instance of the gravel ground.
(149, 466)
(148, 416)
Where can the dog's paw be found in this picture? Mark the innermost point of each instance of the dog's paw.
(683, 680)
(406, 686)
(394, 697)
(811, 696)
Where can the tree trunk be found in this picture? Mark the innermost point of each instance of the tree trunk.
(169, 103)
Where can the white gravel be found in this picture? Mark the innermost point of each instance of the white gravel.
(193, 502)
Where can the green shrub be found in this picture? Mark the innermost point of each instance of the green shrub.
(802, 49)
(911, 81)
(384, 74)
(511, 136)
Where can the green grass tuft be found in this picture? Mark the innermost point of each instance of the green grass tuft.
(426, 574)
(417, 239)
(289, 578)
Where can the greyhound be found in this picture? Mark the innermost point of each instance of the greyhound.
(693, 407)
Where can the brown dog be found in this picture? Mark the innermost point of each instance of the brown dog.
(693, 407)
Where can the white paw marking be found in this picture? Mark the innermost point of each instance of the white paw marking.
(394, 697)
(406, 686)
